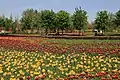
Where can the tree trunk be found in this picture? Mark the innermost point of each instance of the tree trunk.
(37, 29)
(79, 32)
(82, 32)
(46, 31)
(50, 31)
(62, 32)
(31, 30)
(54, 30)
(58, 31)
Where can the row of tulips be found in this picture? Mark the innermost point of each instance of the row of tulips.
(27, 44)
(35, 65)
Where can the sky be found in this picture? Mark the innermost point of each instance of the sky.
(16, 7)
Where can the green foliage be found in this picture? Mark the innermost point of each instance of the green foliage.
(101, 21)
(117, 20)
(111, 24)
(15, 25)
(29, 19)
(36, 19)
(1, 21)
(47, 20)
(62, 20)
(7, 23)
(80, 19)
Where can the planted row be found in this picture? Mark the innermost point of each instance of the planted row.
(42, 45)
(15, 64)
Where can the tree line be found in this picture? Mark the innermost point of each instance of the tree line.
(48, 21)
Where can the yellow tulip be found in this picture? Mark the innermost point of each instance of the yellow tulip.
(88, 67)
(66, 69)
(1, 71)
(62, 72)
(8, 73)
(75, 60)
(115, 66)
(88, 70)
(0, 65)
(104, 69)
(88, 62)
(50, 60)
(12, 79)
(68, 62)
(21, 72)
(98, 67)
(66, 74)
(18, 75)
(71, 72)
(43, 70)
(5, 73)
(0, 57)
(77, 67)
(50, 76)
(109, 60)
(81, 66)
(73, 67)
(1, 78)
(36, 73)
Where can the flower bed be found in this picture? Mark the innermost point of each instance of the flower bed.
(27, 44)
(48, 59)
(15, 64)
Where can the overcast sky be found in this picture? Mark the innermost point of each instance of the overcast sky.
(91, 6)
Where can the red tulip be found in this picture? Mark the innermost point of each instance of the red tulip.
(115, 77)
(66, 79)
(37, 78)
(103, 79)
(109, 78)
(42, 76)
(28, 77)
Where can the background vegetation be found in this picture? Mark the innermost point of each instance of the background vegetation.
(47, 21)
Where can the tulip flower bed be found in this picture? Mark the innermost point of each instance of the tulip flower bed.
(49, 59)
(16, 64)
(61, 46)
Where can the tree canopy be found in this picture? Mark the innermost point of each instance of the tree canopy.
(101, 20)
(117, 18)
(79, 19)
(62, 20)
(47, 20)
(33, 20)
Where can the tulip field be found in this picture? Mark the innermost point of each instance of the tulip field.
(25, 58)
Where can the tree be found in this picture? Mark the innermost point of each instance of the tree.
(7, 23)
(117, 19)
(111, 22)
(71, 27)
(1, 21)
(37, 20)
(28, 19)
(80, 19)
(101, 21)
(47, 20)
(11, 21)
(62, 20)
(15, 25)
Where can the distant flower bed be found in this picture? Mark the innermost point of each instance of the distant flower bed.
(52, 47)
